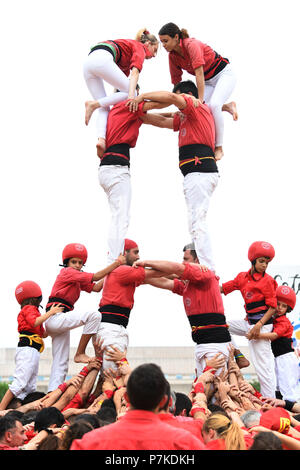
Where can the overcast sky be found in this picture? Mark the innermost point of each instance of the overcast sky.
(50, 195)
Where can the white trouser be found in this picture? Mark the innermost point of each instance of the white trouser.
(112, 335)
(217, 91)
(287, 375)
(198, 189)
(207, 351)
(261, 355)
(58, 327)
(115, 180)
(98, 67)
(26, 371)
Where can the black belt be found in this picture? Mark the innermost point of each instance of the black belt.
(26, 341)
(209, 328)
(57, 300)
(198, 158)
(115, 314)
(118, 154)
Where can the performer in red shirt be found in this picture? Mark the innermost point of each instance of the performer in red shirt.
(112, 62)
(286, 361)
(259, 293)
(31, 344)
(118, 299)
(215, 77)
(114, 171)
(195, 125)
(140, 428)
(69, 284)
(202, 302)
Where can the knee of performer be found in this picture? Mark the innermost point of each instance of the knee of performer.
(215, 106)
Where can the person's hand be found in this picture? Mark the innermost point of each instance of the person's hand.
(138, 263)
(108, 383)
(254, 332)
(76, 381)
(114, 354)
(121, 259)
(94, 363)
(55, 308)
(99, 348)
(133, 104)
(216, 362)
(124, 368)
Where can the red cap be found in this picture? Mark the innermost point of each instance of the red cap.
(26, 290)
(129, 244)
(75, 250)
(258, 249)
(286, 295)
(276, 419)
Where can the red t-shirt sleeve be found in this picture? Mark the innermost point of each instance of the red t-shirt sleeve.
(234, 284)
(176, 122)
(192, 272)
(131, 275)
(84, 279)
(195, 50)
(138, 56)
(178, 287)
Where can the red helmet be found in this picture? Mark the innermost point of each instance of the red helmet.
(258, 249)
(75, 250)
(26, 290)
(286, 295)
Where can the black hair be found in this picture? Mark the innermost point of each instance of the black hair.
(187, 86)
(266, 441)
(168, 393)
(182, 403)
(33, 396)
(32, 301)
(191, 247)
(106, 415)
(171, 29)
(88, 418)
(47, 417)
(7, 422)
(15, 403)
(146, 387)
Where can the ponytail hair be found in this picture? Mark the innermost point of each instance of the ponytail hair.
(143, 36)
(171, 29)
(226, 429)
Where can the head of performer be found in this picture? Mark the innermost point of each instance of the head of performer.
(189, 254)
(186, 87)
(149, 41)
(260, 254)
(286, 300)
(131, 251)
(74, 255)
(146, 388)
(28, 293)
(170, 35)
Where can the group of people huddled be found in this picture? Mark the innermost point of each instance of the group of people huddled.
(107, 405)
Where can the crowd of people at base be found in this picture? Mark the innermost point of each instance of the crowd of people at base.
(136, 409)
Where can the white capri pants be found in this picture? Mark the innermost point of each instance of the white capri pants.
(26, 371)
(217, 90)
(287, 375)
(198, 188)
(112, 335)
(115, 180)
(58, 327)
(261, 355)
(99, 67)
(208, 351)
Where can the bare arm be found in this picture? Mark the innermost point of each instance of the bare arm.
(162, 283)
(134, 77)
(167, 267)
(199, 74)
(254, 332)
(101, 274)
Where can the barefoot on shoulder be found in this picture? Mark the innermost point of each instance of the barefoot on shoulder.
(90, 107)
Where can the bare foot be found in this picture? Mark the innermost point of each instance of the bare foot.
(242, 362)
(101, 146)
(232, 109)
(219, 153)
(90, 107)
(82, 358)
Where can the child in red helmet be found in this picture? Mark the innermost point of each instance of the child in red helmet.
(286, 362)
(259, 293)
(31, 344)
(66, 290)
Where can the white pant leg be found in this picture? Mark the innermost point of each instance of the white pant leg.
(217, 90)
(287, 374)
(261, 355)
(198, 189)
(26, 371)
(115, 180)
(112, 335)
(58, 327)
(97, 68)
(207, 351)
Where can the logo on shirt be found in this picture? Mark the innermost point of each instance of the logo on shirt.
(183, 132)
(188, 302)
(249, 295)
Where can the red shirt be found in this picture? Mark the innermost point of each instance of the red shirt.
(27, 318)
(122, 125)
(196, 126)
(69, 284)
(138, 430)
(282, 326)
(194, 425)
(195, 54)
(258, 291)
(119, 286)
(133, 54)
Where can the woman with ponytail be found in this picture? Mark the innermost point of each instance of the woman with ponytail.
(118, 63)
(215, 78)
(221, 433)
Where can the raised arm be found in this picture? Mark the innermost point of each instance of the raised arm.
(167, 267)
